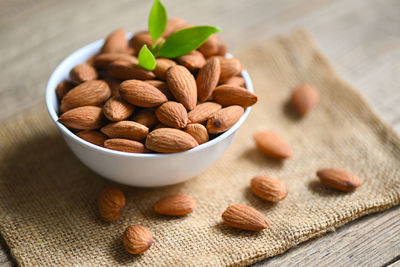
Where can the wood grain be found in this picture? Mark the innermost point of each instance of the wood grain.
(361, 37)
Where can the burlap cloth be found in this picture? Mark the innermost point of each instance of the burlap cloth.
(48, 198)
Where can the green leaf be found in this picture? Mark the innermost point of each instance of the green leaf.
(146, 58)
(157, 20)
(185, 41)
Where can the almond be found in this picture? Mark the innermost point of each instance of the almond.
(90, 93)
(114, 85)
(339, 179)
(110, 203)
(203, 111)
(198, 131)
(117, 109)
(137, 239)
(173, 25)
(172, 114)
(82, 73)
(236, 81)
(304, 99)
(124, 70)
(162, 65)
(160, 125)
(175, 205)
(93, 137)
(162, 86)
(228, 95)
(224, 119)
(115, 42)
(104, 60)
(140, 39)
(229, 67)
(131, 51)
(211, 46)
(63, 88)
(125, 129)
(83, 118)
(192, 61)
(141, 94)
(222, 50)
(245, 218)
(147, 117)
(182, 85)
(268, 188)
(208, 78)
(125, 145)
(272, 145)
(169, 140)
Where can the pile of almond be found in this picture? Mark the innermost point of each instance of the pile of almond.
(111, 101)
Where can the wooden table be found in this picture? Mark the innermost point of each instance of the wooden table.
(361, 37)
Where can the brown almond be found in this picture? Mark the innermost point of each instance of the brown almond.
(125, 129)
(163, 87)
(142, 38)
(162, 65)
(172, 114)
(203, 111)
(90, 61)
(211, 46)
(83, 118)
(115, 42)
(63, 88)
(192, 61)
(268, 188)
(304, 99)
(236, 81)
(90, 93)
(114, 85)
(228, 95)
(224, 119)
(175, 205)
(147, 117)
(117, 109)
(94, 137)
(245, 218)
(110, 203)
(272, 145)
(198, 131)
(339, 179)
(208, 78)
(104, 60)
(173, 25)
(125, 145)
(169, 140)
(182, 85)
(141, 94)
(82, 73)
(160, 125)
(222, 50)
(124, 70)
(137, 239)
(229, 67)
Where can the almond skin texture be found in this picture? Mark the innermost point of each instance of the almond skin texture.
(124, 70)
(224, 119)
(211, 46)
(235, 81)
(110, 203)
(140, 39)
(228, 95)
(125, 145)
(115, 42)
(125, 129)
(162, 65)
(147, 117)
(198, 131)
(268, 188)
(114, 85)
(192, 61)
(172, 114)
(272, 145)
(339, 179)
(82, 73)
(83, 118)
(208, 78)
(141, 94)
(63, 88)
(94, 137)
(117, 109)
(304, 99)
(222, 50)
(245, 218)
(137, 239)
(182, 85)
(169, 140)
(175, 205)
(90, 93)
(104, 60)
(203, 111)
(229, 67)
(162, 86)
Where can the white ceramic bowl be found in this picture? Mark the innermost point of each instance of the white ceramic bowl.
(144, 170)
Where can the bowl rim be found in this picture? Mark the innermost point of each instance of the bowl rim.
(96, 45)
